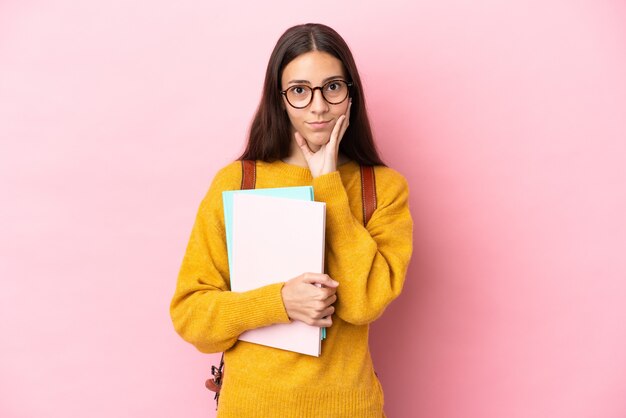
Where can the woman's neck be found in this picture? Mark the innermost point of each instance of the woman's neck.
(295, 156)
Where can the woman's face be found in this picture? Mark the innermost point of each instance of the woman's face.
(315, 122)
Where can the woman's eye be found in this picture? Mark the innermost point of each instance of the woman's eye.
(333, 86)
(298, 90)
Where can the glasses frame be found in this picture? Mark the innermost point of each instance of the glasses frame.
(321, 89)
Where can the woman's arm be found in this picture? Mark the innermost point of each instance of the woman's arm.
(204, 311)
(370, 263)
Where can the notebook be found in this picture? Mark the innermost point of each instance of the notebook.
(274, 239)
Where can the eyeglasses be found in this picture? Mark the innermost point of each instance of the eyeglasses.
(334, 92)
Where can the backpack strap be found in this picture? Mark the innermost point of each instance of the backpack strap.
(368, 192)
(248, 174)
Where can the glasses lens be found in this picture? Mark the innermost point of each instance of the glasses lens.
(299, 96)
(335, 91)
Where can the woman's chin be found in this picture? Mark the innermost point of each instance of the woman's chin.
(317, 140)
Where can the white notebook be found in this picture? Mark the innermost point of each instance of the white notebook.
(274, 240)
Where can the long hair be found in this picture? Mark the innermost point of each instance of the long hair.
(270, 133)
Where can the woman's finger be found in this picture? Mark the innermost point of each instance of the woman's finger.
(324, 313)
(340, 127)
(346, 122)
(326, 322)
(335, 134)
(330, 300)
(304, 147)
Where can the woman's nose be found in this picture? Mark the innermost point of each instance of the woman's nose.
(318, 103)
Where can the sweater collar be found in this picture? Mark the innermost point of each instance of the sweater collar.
(299, 173)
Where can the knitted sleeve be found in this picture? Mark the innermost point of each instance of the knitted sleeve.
(204, 311)
(370, 263)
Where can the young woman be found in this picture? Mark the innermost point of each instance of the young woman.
(311, 128)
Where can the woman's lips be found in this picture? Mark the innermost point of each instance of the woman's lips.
(318, 125)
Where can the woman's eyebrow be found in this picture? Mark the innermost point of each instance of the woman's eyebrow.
(334, 77)
(299, 82)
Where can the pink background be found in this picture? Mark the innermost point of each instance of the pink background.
(507, 118)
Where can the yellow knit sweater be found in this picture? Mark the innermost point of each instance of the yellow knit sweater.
(369, 263)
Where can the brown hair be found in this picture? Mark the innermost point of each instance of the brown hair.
(270, 132)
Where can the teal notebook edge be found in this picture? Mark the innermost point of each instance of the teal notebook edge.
(298, 192)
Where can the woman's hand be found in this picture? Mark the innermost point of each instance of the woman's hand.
(324, 160)
(309, 298)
